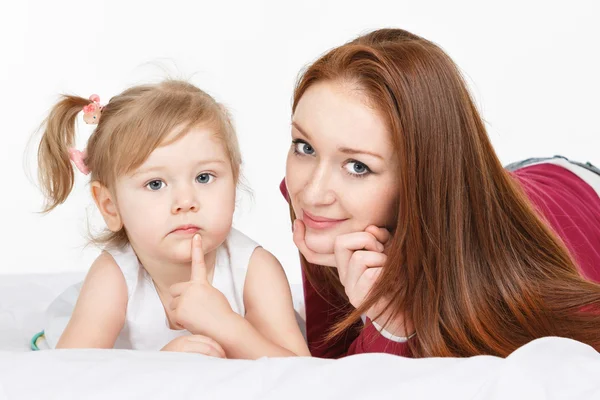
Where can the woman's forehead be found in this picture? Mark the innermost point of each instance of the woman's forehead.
(331, 114)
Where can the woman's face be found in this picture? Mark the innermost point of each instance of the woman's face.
(341, 170)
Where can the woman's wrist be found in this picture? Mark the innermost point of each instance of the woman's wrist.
(393, 328)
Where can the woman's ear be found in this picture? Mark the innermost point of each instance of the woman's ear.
(107, 205)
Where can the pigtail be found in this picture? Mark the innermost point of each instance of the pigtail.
(55, 172)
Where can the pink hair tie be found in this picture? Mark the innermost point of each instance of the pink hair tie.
(92, 111)
(78, 158)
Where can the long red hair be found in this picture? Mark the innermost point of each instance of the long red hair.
(471, 263)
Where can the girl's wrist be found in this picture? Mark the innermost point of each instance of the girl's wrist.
(227, 333)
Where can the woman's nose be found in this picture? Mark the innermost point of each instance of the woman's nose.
(318, 190)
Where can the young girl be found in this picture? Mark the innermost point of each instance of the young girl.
(164, 163)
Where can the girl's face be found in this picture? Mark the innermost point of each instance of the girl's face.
(341, 170)
(182, 188)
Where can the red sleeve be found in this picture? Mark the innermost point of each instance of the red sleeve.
(572, 209)
(324, 309)
(284, 191)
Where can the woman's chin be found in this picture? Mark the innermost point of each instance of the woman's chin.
(321, 244)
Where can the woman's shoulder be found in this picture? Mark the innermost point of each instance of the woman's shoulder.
(553, 189)
(556, 181)
(570, 206)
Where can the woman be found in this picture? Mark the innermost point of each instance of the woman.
(392, 179)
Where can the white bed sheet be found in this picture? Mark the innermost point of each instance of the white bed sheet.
(549, 368)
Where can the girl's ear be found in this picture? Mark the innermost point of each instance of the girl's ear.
(107, 205)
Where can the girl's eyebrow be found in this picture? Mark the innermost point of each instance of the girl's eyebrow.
(162, 168)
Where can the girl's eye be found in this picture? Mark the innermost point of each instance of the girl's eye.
(205, 178)
(356, 168)
(301, 147)
(155, 185)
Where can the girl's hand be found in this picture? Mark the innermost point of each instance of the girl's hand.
(197, 305)
(195, 344)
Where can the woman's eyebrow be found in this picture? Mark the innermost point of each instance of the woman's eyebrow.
(299, 129)
(347, 150)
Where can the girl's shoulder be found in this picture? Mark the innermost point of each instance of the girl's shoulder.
(126, 261)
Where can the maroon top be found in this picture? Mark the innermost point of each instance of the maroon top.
(567, 202)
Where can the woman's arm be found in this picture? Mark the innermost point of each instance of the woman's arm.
(99, 313)
(323, 310)
(270, 327)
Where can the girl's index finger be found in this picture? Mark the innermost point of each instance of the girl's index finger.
(198, 272)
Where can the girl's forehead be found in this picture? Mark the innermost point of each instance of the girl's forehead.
(197, 145)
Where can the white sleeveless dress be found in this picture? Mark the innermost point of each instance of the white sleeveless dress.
(146, 325)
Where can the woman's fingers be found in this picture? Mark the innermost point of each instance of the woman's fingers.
(363, 264)
(381, 234)
(346, 245)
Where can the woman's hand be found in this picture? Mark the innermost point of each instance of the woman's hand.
(359, 258)
(197, 305)
(195, 344)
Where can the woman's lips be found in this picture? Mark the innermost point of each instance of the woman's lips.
(316, 222)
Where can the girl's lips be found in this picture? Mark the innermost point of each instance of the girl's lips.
(186, 229)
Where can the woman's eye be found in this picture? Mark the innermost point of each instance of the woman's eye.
(155, 185)
(356, 168)
(205, 178)
(301, 147)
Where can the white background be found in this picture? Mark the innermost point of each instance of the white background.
(532, 66)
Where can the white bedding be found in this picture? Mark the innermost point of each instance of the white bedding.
(549, 368)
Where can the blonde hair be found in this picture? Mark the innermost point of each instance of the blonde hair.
(132, 126)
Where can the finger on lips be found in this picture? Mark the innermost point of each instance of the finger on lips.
(198, 272)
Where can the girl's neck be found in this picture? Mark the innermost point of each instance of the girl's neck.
(165, 274)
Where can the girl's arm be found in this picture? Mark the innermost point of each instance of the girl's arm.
(270, 328)
(99, 314)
